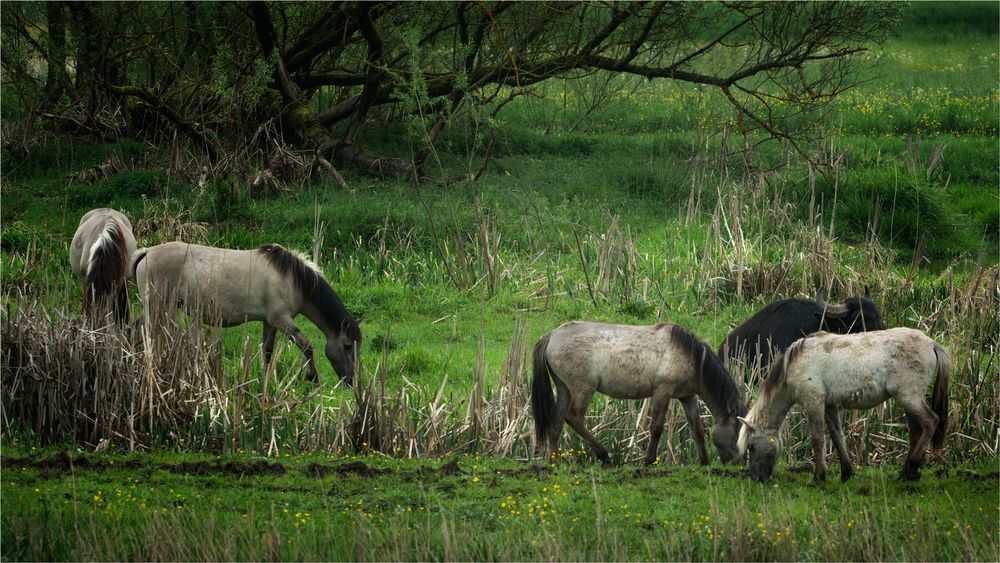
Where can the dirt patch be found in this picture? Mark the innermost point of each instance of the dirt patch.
(451, 468)
(232, 468)
(63, 463)
(353, 468)
(993, 476)
(253, 469)
(358, 468)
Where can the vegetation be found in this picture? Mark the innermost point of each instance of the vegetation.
(316, 73)
(291, 507)
(601, 197)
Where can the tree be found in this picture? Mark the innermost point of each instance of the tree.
(316, 72)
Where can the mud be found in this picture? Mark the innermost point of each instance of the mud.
(358, 468)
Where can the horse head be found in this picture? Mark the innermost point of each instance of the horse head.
(724, 437)
(343, 350)
(762, 445)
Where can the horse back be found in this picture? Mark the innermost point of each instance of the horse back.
(862, 370)
(622, 361)
(223, 286)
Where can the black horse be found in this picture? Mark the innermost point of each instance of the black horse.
(773, 328)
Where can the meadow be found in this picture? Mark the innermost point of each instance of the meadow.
(607, 200)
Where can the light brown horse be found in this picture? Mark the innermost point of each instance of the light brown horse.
(223, 287)
(632, 362)
(99, 256)
(824, 372)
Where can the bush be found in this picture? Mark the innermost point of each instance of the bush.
(906, 211)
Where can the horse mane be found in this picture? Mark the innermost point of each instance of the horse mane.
(779, 370)
(718, 383)
(308, 279)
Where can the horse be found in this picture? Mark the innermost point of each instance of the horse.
(777, 325)
(224, 287)
(663, 362)
(824, 372)
(99, 256)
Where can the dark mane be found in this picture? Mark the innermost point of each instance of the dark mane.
(779, 370)
(718, 383)
(313, 287)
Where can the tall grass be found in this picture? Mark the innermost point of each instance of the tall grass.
(99, 385)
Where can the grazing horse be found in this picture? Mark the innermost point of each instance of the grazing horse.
(774, 327)
(99, 256)
(223, 287)
(632, 362)
(824, 372)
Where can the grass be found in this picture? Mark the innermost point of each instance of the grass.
(167, 507)
(631, 213)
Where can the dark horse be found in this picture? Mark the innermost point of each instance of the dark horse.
(632, 362)
(223, 287)
(774, 327)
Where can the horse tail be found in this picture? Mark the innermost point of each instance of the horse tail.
(136, 258)
(106, 268)
(939, 399)
(542, 399)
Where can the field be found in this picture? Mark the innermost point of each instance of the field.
(639, 210)
(169, 507)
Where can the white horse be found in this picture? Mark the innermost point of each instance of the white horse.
(632, 362)
(99, 256)
(823, 372)
(223, 287)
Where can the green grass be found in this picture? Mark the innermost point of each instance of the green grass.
(163, 507)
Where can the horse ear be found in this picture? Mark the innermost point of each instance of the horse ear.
(746, 423)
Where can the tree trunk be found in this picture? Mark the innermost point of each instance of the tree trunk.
(56, 81)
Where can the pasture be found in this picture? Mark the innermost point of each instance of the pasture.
(639, 210)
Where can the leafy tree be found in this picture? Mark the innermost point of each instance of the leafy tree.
(229, 75)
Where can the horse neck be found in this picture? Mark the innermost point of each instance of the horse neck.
(715, 406)
(312, 313)
(772, 409)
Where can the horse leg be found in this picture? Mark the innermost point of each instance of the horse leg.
(576, 420)
(267, 344)
(287, 325)
(656, 416)
(837, 435)
(815, 415)
(693, 414)
(562, 406)
(121, 307)
(920, 418)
